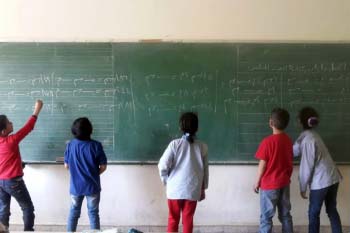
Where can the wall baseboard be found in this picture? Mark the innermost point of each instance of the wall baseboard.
(161, 229)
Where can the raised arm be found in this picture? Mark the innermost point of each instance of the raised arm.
(37, 108)
(29, 126)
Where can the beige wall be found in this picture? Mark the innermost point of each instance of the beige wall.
(133, 195)
(105, 20)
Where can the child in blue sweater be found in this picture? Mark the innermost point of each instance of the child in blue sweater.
(86, 160)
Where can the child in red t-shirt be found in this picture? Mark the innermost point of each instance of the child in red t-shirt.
(11, 182)
(275, 169)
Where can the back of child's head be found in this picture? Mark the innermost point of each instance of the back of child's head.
(82, 128)
(308, 117)
(189, 125)
(279, 118)
(3, 122)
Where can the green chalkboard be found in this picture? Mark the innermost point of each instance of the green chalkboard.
(134, 93)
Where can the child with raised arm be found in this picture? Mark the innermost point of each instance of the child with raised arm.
(275, 153)
(318, 171)
(11, 172)
(183, 169)
(86, 160)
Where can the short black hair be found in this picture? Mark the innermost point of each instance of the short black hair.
(82, 128)
(189, 124)
(3, 122)
(308, 117)
(279, 118)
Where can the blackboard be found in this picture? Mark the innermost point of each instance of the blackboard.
(134, 93)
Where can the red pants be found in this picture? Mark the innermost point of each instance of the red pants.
(176, 207)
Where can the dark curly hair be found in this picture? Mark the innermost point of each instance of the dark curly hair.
(82, 128)
(308, 117)
(189, 125)
(3, 122)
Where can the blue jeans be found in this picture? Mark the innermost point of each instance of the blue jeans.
(329, 197)
(269, 200)
(93, 202)
(17, 189)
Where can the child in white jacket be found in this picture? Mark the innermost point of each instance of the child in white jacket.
(184, 170)
(318, 171)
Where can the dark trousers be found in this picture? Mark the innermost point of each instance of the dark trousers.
(17, 189)
(329, 197)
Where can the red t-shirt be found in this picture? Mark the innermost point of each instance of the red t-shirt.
(10, 157)
(277, 151)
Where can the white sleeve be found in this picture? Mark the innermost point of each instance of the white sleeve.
(296, 146)
(165, 163)
(296, 149)
(307, 165)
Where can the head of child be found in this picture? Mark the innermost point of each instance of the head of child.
(189, 125)
(308, 118)
(82, 129)
(279, 119)
(6, 126)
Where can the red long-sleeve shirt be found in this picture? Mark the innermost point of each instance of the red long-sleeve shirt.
(10, 157)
